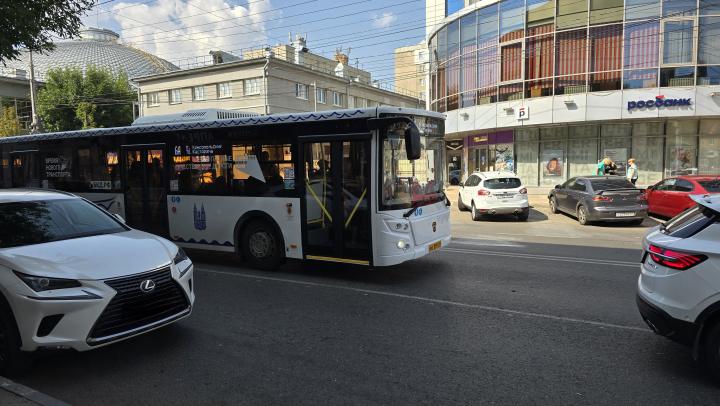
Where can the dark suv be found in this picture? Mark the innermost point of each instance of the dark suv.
(599, 198)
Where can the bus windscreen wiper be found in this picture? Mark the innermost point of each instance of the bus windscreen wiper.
(410, 212)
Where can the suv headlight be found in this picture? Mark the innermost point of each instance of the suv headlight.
(43, 283)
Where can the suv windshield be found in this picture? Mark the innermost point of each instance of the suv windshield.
(502, 183)
(26, 223)
(712, 186)
(408, 183)
(609, 184)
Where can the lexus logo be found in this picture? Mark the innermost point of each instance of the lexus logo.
(147, 286)
(434, 226)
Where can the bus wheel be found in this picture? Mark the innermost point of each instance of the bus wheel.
(261, 246)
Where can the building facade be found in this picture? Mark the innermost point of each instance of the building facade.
(281, 79)
(411, 68)
(547, 88)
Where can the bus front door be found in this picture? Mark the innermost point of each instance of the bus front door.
(145, 194)
(335, 179)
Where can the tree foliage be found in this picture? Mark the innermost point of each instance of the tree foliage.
(71, 101)
(32, 23)
(9, 124)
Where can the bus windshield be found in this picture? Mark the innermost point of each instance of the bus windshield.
(406, 183)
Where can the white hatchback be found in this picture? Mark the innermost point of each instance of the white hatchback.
(493, 193)
(679, 284)
(74, 276)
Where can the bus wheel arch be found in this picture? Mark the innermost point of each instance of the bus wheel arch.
(259, 240)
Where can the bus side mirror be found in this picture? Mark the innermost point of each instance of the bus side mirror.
(119, 218)
(412, 142)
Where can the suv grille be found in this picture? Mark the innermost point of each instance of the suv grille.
(133, 308)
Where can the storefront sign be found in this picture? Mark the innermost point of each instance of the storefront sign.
(454, 145)
(660, 101)
(522, 113)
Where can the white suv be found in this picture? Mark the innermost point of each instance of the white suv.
(74, 276)
(679, 285)
(493, 193)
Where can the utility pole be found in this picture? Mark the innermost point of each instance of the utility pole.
(35, 126)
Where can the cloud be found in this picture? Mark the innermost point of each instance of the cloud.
(175, 30)
(384, 20)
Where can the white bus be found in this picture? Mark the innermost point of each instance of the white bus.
(360, 186)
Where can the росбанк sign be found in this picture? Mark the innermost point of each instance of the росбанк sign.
(660, 101)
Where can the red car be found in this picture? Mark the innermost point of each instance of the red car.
(669, 197)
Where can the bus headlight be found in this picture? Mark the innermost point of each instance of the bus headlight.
(403, 245)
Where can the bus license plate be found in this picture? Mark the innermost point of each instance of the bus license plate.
(625, 214)
(434, 246)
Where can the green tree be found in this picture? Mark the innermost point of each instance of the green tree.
(71, 101)
(9, 124)
(32, 24)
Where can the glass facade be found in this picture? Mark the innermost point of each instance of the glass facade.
(517, 49)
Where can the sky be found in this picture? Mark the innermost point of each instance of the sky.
(182, 31)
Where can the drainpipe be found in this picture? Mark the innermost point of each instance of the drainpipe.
(268, 55)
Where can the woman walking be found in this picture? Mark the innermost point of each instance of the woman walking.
(632, 171)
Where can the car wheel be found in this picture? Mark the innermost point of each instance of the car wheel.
(474, 213)
(524, 215)
(261, 246)
(582, 216)
(460, 204)
(553, 205)
(13, 362)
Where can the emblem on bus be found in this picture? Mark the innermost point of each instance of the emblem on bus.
(199, 217)
(434, 226)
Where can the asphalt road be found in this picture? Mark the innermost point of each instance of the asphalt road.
(476, 323)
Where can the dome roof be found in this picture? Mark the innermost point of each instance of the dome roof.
(98, 47)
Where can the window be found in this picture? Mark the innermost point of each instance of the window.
(174, 96)
(251, 86)
(540, 12)
(511, 62)
(578, 185)
(153, 99)
(198, 93)
(571, 50)
(675, 8)
(641, 9)
(707, 44)
(606, 11)
(488, 26)
(512, 20)
(453, 6)
(224, 90)
(301, 91)
(571, 13)
(641, 45)
(605, 57)
(678, 41)
(337, 99)
(82, 167)
(502, 183)
(708, 75)
(320, 95)
(684, 76)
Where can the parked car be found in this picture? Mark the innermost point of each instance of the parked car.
(678, 291)
(73, 276)
(454, 177)
(492, 193)
(599, 198)
(671, 196)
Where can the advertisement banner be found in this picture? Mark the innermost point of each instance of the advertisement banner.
(552, 163)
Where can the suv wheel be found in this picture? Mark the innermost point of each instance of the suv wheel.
(460, 204)
(582, 215)
(553, 205)
(524, 215)
(474, 213)
(12, 361)
(710, 351)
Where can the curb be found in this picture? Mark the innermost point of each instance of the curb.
(29, 394)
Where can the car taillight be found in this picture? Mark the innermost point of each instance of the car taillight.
(602, 199)
(483, 192)
(523, 191)
(674, 259)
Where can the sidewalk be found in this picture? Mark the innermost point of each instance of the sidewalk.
(15, 394)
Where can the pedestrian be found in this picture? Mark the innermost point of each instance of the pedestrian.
(632, 171)
(610, 167)
(600, 167)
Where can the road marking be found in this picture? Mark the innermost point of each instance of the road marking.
(487, 243)
(543, 257)
(429, 300)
